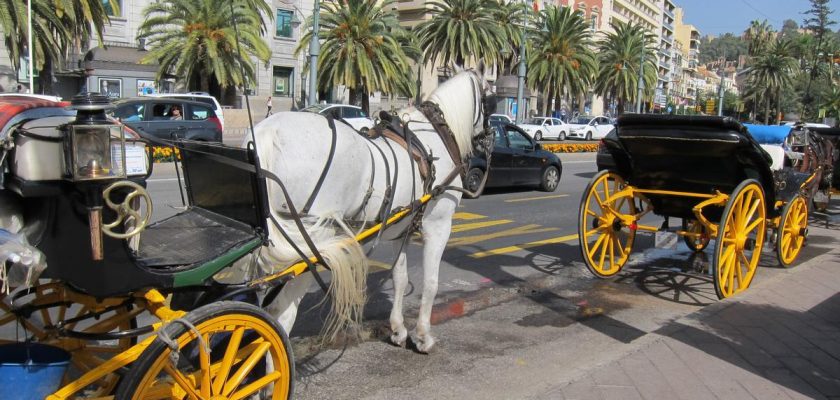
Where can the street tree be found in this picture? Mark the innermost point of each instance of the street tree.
(196, 41)
(512, 17)
(364, 48)
(561, 61)
(59, 28)
(759, 36)
(461, 30)
(771, 75)
(818, 22)
(621, 53)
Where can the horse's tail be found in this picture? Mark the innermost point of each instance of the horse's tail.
(343, 255)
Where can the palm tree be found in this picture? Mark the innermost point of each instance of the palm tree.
(460, 30)
(619, 54)
(196, 40)
(772, 74)
(561, 60)
(512, 17)
(59, 27)
(364, 48)
(760, 36)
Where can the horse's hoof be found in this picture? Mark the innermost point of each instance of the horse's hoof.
(424, 346)
(399, 339)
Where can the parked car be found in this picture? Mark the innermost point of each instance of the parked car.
(203, 97)
(153, 117)
(545, 127)
(589, 127)
(354, 116)
(500, 118)
(517, 160)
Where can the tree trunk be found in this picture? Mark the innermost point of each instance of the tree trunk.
(205, 83)
(767, 110)
(558, 103)
(547, 106)
(365, 101)
(45, 78)
(581, 103)
(353, 94)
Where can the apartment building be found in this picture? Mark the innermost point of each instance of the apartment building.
(665, 55)
(689, 38)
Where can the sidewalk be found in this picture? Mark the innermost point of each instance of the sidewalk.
(778, 340)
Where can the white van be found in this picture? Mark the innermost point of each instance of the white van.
(203, 97)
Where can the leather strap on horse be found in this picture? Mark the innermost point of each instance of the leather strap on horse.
(434, 114)
(326, 169)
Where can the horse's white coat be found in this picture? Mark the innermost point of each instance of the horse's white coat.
(295, 146)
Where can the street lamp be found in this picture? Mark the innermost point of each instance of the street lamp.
(29, 46)
(641, 83)
(520, 91)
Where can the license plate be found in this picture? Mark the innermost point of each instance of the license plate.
(666, 240)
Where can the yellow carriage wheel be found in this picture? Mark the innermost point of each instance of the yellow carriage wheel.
(793, 229)
(699, 238)
(740, 238)
(52, 305)
(243, 352)
(605, 240)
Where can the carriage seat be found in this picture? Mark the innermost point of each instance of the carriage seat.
(777, 153)
(225, 218)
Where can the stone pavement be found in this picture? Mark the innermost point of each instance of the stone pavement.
(778, 341)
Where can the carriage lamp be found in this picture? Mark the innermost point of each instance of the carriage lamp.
(94, 155)
(94, 147)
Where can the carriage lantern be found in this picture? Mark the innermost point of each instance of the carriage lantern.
(94, 147)
(94, 154)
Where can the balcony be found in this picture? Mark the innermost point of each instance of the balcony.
(408, 5)
(664, 65)
(668, 26)
(665, 53)
(669, 13)
(668, 39)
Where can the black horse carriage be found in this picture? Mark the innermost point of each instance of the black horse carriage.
(77, 180)
(709, 172)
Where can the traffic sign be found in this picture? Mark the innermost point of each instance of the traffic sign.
(710, 106)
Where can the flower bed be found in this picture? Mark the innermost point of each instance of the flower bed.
(164, 154)
(570, 147)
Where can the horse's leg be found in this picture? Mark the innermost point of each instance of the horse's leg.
(285, 306)
(400, 276)
(437, 225)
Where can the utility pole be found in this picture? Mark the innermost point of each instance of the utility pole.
(720, 94)
(314, 49)
(641, 84)
(520, 92)
(29, 47)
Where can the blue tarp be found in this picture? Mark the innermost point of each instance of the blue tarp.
(769, 134)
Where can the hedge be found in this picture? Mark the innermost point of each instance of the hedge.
(570, 147)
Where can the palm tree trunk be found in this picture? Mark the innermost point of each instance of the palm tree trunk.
(205, 83)
(547, 105)
(767, 110)
(353, 93)
(365, 101)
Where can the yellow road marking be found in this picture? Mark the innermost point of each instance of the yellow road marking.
(466, 215)
(554, 196)
(478, 225)
(511, 249)
(522, 230)
(379, 265)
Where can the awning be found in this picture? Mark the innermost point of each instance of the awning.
(118, 58)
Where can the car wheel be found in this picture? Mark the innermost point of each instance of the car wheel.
(562, 136)
(474, 179)
(550, 179)
(588, 135)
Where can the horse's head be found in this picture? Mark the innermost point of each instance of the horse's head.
(467, 100)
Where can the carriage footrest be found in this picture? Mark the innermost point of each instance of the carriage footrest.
(190, 238)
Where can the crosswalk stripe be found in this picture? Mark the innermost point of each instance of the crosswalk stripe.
(522, 230)
(478, 225)
(555, 196)
(467, 216)
(511, 249)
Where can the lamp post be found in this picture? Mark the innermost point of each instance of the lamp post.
(641, 83)
(29, 46)
(314, 50)
(520, 91)
(720, 90)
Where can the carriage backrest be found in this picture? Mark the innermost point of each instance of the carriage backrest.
(223, 180)
(691, 153)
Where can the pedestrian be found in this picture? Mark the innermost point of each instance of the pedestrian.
(19, 88)
(176, 113)
(268, 107)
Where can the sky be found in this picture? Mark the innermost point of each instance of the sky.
(720, 16)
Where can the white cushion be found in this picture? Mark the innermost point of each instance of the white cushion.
(777, 153)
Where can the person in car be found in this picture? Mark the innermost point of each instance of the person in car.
(176, 113)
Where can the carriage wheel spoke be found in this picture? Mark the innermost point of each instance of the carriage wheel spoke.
(246, 367)
(256, 385)
(186, 385)
(228, 359)
(204, 362)
(594, 247)
(612, 251)
(751, 213)
(604, 253)
(754, 224)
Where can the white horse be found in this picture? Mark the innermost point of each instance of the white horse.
(295, 146)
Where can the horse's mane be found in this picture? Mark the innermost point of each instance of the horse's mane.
(459, 112)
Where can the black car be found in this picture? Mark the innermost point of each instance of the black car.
(157, 118)
(516, 161)
(604, 159)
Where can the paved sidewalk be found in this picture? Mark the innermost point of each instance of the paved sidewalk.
(780, 340)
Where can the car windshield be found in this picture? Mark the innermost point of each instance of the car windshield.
(535, 121)
(582, 120)
(315, 108)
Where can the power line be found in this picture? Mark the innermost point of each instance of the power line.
(748, 4)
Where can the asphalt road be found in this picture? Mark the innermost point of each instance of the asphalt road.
(517, 312)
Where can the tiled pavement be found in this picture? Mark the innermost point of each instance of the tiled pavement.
(779, 341)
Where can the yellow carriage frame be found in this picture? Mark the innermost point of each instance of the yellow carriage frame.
(611, 213)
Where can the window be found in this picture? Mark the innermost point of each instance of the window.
(130, 113)
(110, 10)
(284, 23)
(500, 138)
(594, 22)
(283, 81)
(163, 111)
(200, 113)
(519, 141)
(350, 112)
